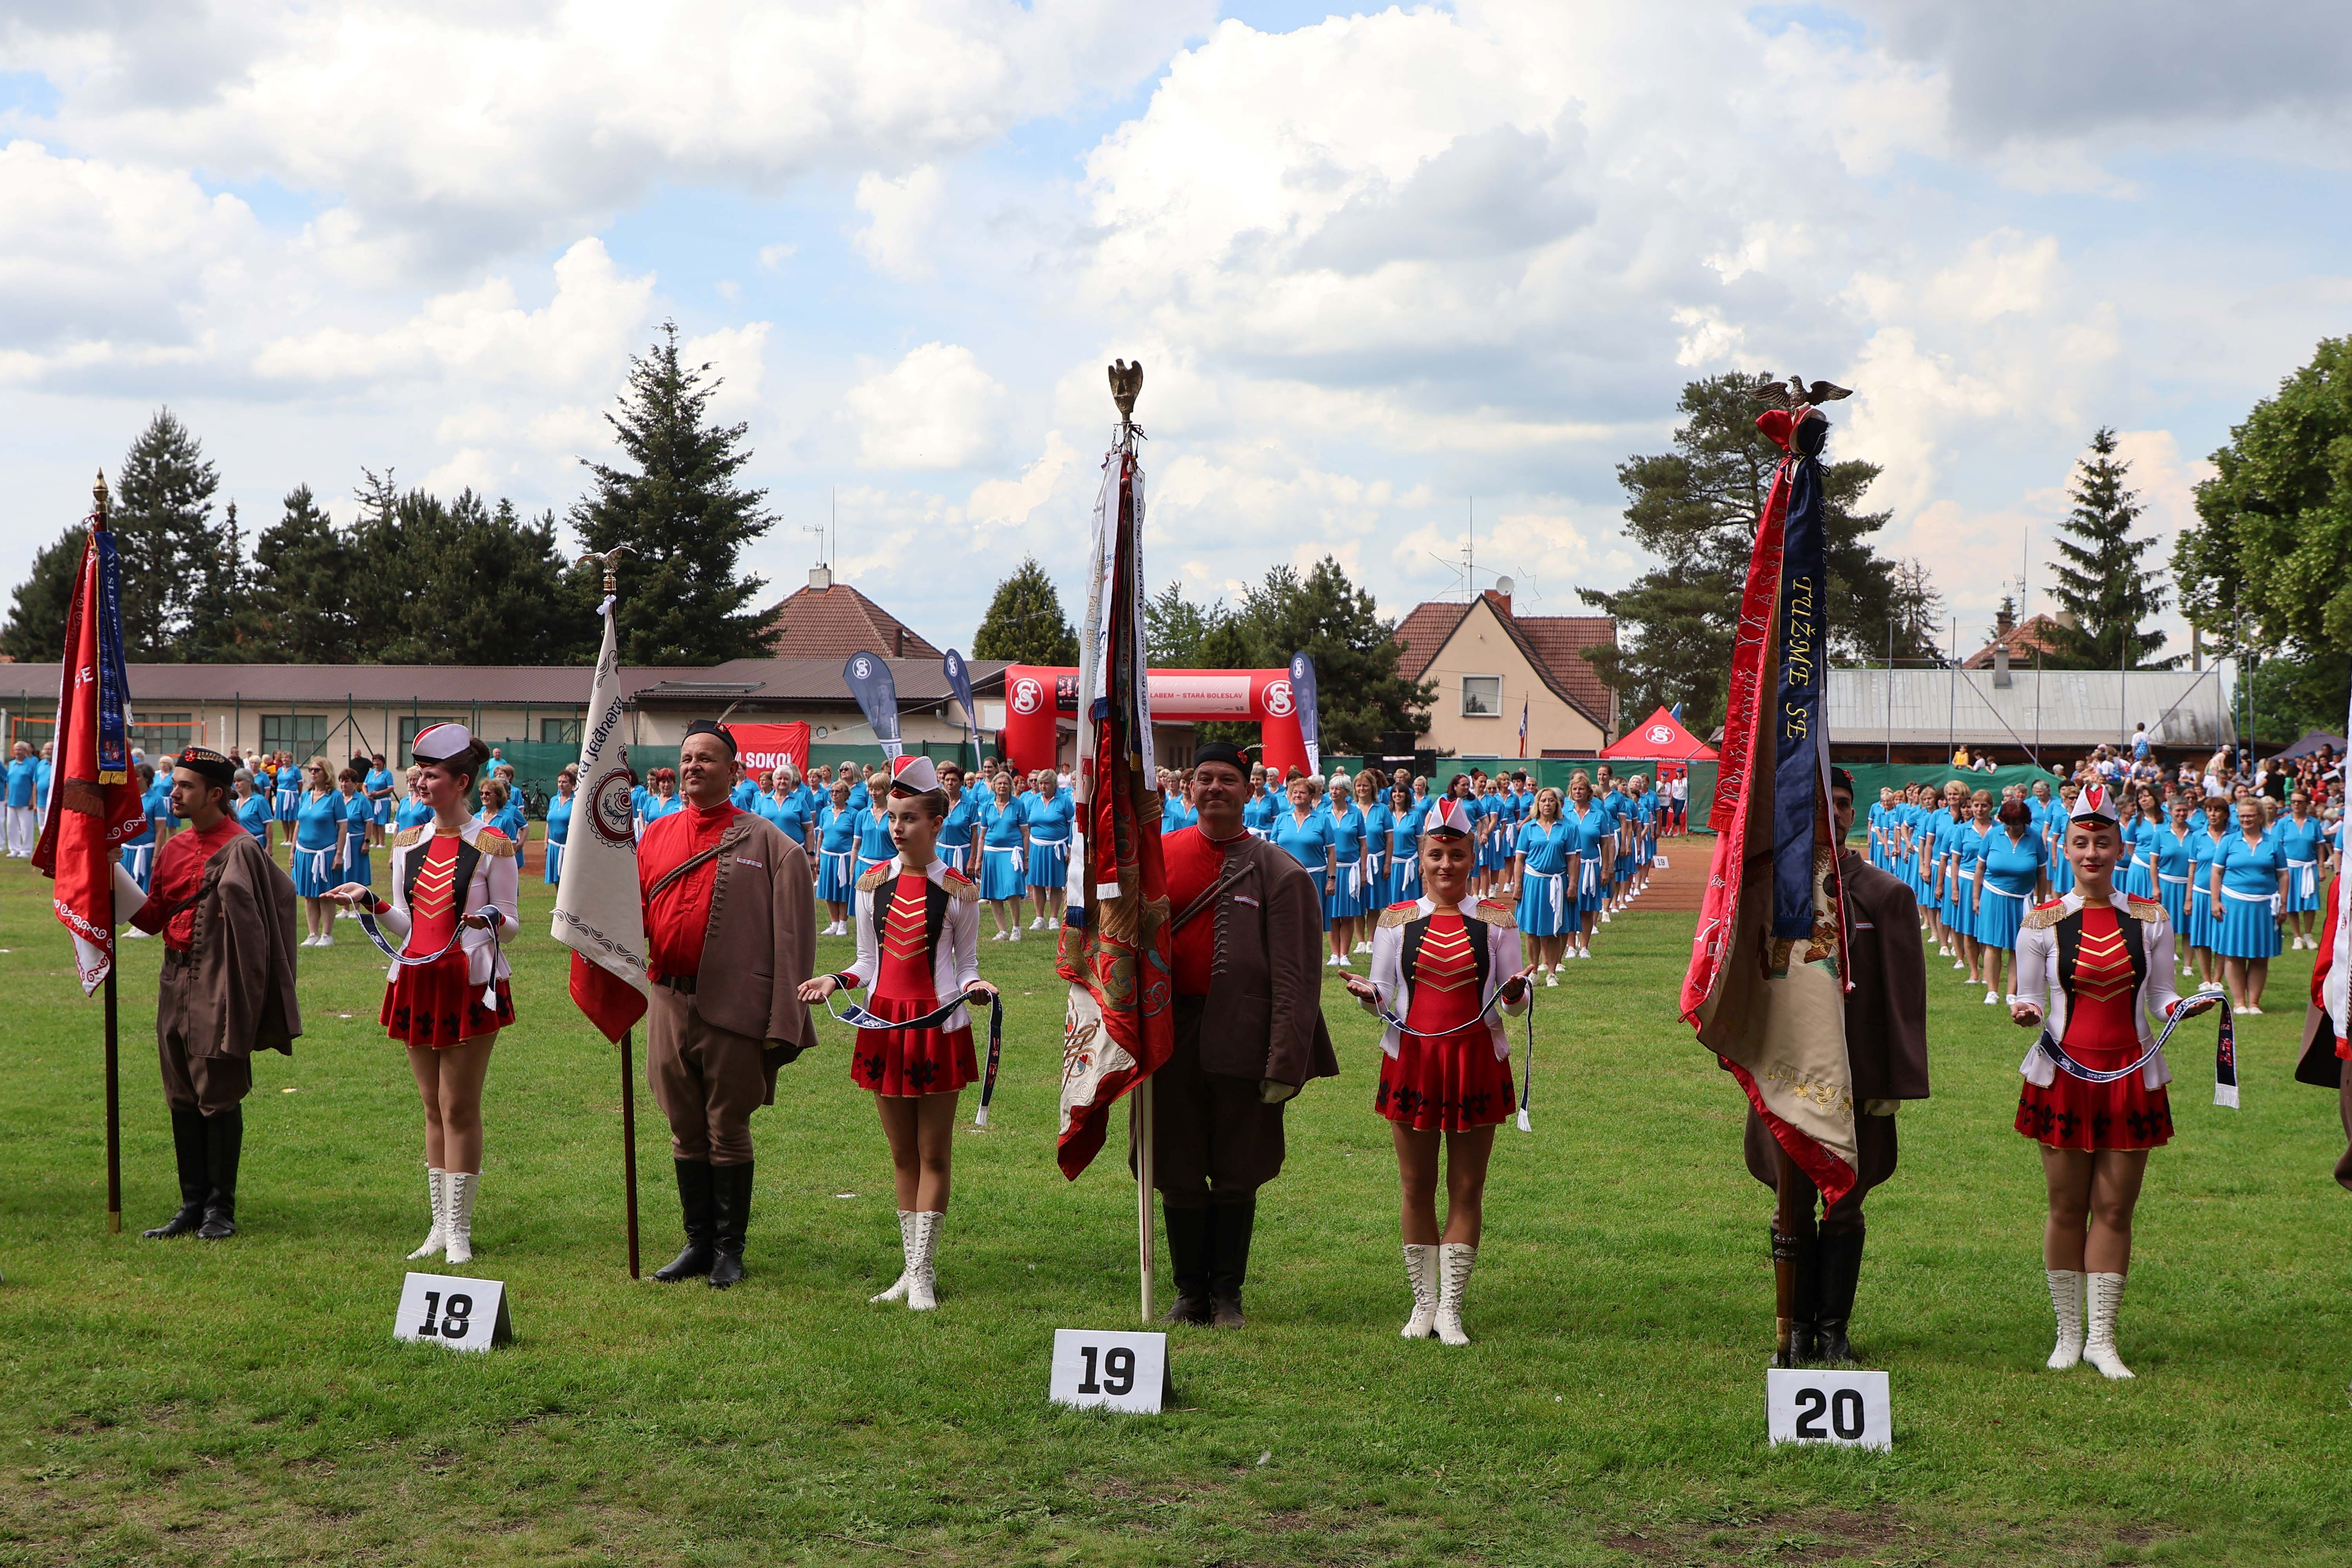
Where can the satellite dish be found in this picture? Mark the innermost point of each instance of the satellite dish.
(1505, 586)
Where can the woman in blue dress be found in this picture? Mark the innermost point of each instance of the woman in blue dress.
(1343, 896)
(957, 846)
(2012, 870)
(559, 822)
(1047, 815)
(2204, 922)
(2054, 833)
(412, 808)
(2301, 839)
(837, 860)
(1969, 846)
(875, 845)
(1548, 871)
(1003, 831)
(359, 822)
(138, 852)
(2139, 843)
(2249, 881)
(1379, 823)
(378, 784)
(1405, 847)
(860, 796)
(1594, 848)
(2173, 870)
(1303, 832)
(317, 832)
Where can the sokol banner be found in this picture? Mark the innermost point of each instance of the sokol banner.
(761, 747)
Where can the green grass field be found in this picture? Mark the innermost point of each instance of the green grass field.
(244, 1402)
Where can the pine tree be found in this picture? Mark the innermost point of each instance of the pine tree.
(299, 611)
(2100, 582)
(36, 632)
(214, 633)
(1024, 624)
(680, 513)
(1359, 693)
(162, 530)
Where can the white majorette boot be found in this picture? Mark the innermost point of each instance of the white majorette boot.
(2066, 1302)
(1421, 1272)
(2099, 1349)
(922, 1280)
(459, 1187)
(437, 1186)
(1454, 1260)
(898, 1292)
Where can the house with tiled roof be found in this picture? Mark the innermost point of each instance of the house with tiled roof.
(2026, 641)
(1490, 664)
(833, 620)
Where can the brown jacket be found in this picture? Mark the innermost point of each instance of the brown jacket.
(760, 943)
(239, 997)
(1886, 1011)
(1264, 1014)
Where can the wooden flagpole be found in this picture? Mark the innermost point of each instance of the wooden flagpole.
(629, 1138)
(1138, 1112)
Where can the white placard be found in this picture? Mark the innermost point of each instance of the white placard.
(1805, 1405)
(1109, 1370)
(451, 1309)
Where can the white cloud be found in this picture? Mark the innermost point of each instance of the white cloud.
(936, 408)
(1011, 502)
(773, 257)
(898, 213)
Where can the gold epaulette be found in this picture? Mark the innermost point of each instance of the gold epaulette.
(884, 872)
(2041, 917)
(1495, 914)
(1398, 915)
(411, 836)
(959, 886)
(489, 840)
(2144, 909)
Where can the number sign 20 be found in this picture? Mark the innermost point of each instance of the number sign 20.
(1109, 1371)
(450, 1310)
(1803, 1405)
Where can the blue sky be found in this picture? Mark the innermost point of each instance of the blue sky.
(1375, 264)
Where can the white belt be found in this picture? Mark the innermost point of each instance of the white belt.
(2308, 883)
(953, 854)
(1356, 879)
(145, 854)
(319, 861)
(1373, 862)
(1013, 849)
(2229, 892)
(1589, 882)
(1407, 872)
(838, 855)
(1557, 880)
(2005, 893)
(555, 859)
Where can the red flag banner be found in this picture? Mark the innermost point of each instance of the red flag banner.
(1773, 1007)
(1119, 1029)
(92, 807)
(767, 746)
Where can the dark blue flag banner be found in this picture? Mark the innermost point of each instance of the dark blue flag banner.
(960, 682)
(1302, 692)
(868, 677)
(113, 679)
(1799, 739)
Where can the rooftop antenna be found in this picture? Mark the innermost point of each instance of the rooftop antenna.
(822, 552)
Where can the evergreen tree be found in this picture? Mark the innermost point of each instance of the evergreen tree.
(1359, 693)
(1174, 628)
(36, 632)
(1695, 509)
(214, 634)
(164, 534)
(2100, 581)
(678, 508)
(460, 582)
(1024, 624)
(299, 611)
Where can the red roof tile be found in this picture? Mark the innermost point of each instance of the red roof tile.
(2034, 634)
(1423, 633)
(834, 623)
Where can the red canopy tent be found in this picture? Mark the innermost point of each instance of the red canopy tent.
(1661, 737)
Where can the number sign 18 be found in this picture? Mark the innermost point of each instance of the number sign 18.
(1803, 1405)
(1109, 1370)
(451, 1309)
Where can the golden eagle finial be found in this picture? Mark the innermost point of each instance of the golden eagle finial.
(1125, 383)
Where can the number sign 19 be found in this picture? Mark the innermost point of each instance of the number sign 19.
(1803, 1405)
(1109, 1370)
(451, 1309)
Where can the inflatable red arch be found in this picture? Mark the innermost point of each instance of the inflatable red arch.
(1037, 695)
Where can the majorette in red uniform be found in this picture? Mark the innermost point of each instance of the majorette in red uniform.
(1442, 969)
(453, 895)
(918, 929)
(2094, 975)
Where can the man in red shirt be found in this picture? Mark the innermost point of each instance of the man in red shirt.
(1246, 950)
(226, 911)
(730, 932)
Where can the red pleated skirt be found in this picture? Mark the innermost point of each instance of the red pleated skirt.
(1449, 1083)
(911, 1061)
(432, 1005)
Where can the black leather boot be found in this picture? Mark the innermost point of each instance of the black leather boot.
(730, 1191)
(1230, 1227)
(224, 1143)
(188, 1151)
(1187, 1260)
(1840, 1260)
(1798, 1255)
(694, 1200)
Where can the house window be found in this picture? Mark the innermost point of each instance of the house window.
(412, 728)
(299, 735)
(559, 732)
(164, 735)
(1482, 696)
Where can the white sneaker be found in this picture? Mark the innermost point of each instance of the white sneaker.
(1991, 999)
(1037, 925)
(1552, 978)
(998, 937)
(1015, 936)
(327, 939)
(1363, 947)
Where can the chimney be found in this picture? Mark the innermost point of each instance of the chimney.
(2001, 680)
(2005, 619)
(820, 578)
(2196, 647)
(898, 642)
(1501, 601)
